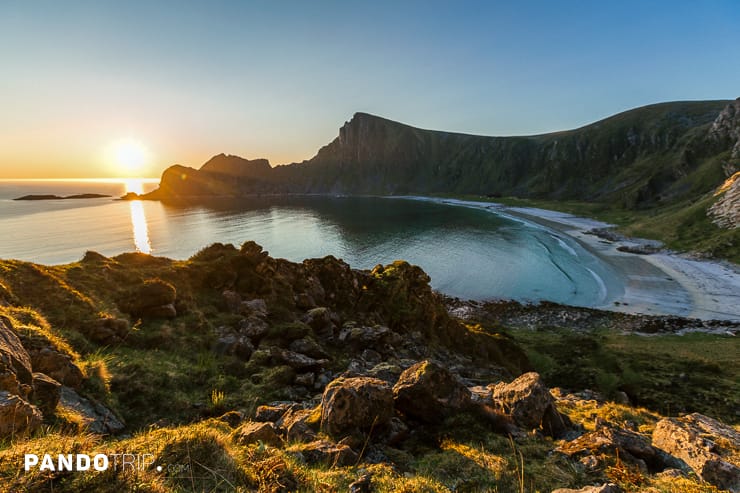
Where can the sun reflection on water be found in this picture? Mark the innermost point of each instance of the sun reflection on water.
(138, 218)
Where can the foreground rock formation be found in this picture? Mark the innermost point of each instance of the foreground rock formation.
(263, 374)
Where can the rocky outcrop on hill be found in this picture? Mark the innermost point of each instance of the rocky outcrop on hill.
(725, 213)
(711, 449)
(725, 129)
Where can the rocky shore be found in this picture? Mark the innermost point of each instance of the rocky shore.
(262, 374)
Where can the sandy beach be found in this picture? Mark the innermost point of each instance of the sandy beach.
(663, 283)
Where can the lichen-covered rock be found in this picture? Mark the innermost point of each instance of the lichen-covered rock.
(725, 213)
(528, 401)
(604, 488)
(706, 445)
(359, 403)
(322, 321)
(253, 327)
(256, 308)
(297, 361)
(58, 366)
(428, 392)
(376, 337)
(98, 418)
(17, 416)
(233, 344)
(627, 445)
(297, 425)
(327, 453)
(46, 392)
(272, 413)
(252, 432)
(15, 362)
(309, 347)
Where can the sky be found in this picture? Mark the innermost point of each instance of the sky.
(83, 83)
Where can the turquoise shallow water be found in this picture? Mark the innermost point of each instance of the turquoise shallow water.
(469, 253)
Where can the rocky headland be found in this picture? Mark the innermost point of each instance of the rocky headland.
(663, 171)
(241, 372)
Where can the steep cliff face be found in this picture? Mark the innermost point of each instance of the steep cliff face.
(644, 157)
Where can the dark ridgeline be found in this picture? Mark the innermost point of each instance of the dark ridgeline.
(644, 157)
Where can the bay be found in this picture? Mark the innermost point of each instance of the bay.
(470, 253)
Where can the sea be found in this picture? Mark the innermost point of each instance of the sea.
(470, 253)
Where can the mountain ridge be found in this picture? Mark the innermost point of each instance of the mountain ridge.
(645, 156)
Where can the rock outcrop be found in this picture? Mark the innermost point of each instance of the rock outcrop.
(725, 213)
(265, 433)
(428, 392)
(529, 402)
(350, 404)
(709, 447)
(15, 363)
(18, 417)
(97, 418)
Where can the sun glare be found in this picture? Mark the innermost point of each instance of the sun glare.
(130, 155)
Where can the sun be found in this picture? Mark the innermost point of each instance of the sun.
(130, 155)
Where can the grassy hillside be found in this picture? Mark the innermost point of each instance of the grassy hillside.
(186, 380)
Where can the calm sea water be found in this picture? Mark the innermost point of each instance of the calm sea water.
(470, 253)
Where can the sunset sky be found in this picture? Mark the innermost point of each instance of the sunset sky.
(102, 88)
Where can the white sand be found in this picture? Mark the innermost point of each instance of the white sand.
(658, 284)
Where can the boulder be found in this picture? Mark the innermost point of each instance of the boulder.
(305, 379)
(15, 362)
(252, 432)
(386, 371)
(528, 401)
(604, 488)
(230, 344)
(360, 403)
(704, 444)
(328, 453)
(428, 392)
(58, 366)
(376, 337)
(309, 347)
(253, 327)
(295, 425)
(17, 416)
(297, 361)
(321, 320)
(256, 308)
(46, 392)
(98, 418)
(272, 413)
(232, 418)
(631, 447)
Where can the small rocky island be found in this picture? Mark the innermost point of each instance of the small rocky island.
(59, 197)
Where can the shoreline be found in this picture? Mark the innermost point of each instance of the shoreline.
(661, 283)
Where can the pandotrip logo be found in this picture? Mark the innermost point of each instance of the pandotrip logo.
(88, 462)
